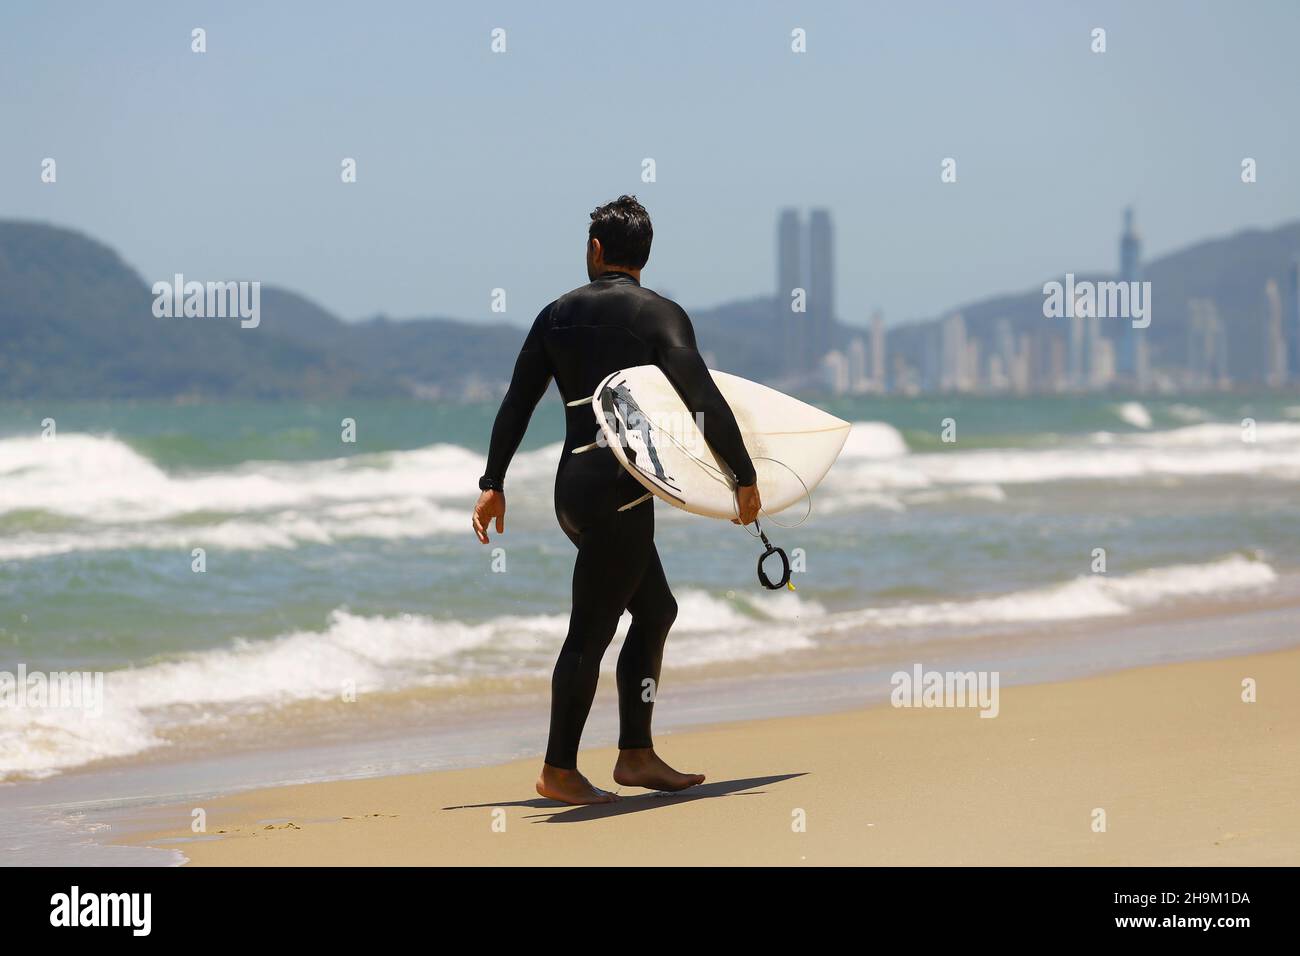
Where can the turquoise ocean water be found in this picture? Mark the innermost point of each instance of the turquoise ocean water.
(332, 564)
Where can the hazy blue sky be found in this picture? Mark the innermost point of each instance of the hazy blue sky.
(478, 170)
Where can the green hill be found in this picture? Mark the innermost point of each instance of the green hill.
(77, 322)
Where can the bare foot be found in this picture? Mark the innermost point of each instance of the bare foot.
(643, 768)
(569, 786)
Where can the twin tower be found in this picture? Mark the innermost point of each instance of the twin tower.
(805, 308)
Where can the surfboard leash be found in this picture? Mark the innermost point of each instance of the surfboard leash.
(763, 579)
(806, 492)
(771, 549)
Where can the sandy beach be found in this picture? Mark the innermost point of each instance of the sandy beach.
(1185, 771)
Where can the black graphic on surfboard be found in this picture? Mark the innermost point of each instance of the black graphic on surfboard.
(621, 408)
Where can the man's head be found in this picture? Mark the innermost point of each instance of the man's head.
(619, 237)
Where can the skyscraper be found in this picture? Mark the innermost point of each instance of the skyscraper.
(953, 355)
(1131, 362)
(1207, 345)
(1057, 363)
(1292, 331)
(1076, 374)
(821, 284)
(804, 260)
(859, 380)
(1004, 350)
(1275, 351)
(878, 352)
(835, 372)
(791, 327)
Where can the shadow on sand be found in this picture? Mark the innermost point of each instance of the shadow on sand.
(556, 812)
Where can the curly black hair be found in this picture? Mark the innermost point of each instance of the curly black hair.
(624, 230)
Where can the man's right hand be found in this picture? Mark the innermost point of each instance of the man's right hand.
(748, 502)
(491, 504)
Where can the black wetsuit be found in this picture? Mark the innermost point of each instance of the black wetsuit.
(579, 339)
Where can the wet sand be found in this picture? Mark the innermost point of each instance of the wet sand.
(1184, 771)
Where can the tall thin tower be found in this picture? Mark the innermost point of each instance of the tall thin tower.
(1130, 345)
(821, 284)
(877, 351)
(791, 329)
(1275, 338)
(1292, 332)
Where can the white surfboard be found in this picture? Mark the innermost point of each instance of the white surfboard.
(652, 433)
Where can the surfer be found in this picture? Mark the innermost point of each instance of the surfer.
(579, 339)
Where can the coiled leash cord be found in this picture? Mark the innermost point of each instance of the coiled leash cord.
(772, 549)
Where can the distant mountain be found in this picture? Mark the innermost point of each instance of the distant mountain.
(433, 356)
(427, 357)
(436, 356)
(740, 337)
(77, 322)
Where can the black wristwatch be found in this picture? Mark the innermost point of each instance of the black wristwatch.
(489, 484)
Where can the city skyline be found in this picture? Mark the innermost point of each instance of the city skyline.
(1082, 353)
(1231, 318)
